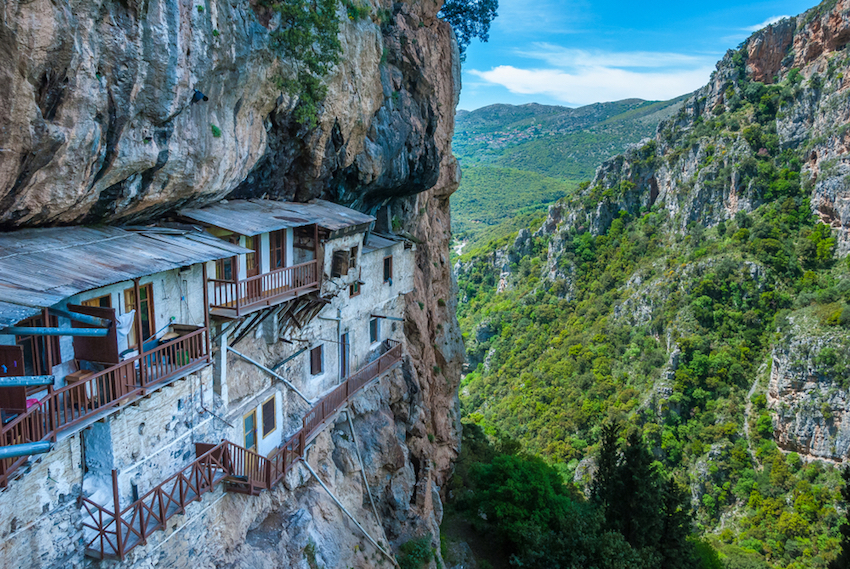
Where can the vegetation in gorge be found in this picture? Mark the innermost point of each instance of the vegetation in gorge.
(560, 352)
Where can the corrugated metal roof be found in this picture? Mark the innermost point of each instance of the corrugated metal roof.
(376, 242)
(252, 217)
(41, 267)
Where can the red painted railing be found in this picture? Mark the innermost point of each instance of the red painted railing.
(66, 407)
(261, 290)
(108, 535)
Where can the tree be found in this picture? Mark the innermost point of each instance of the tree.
(843, 559)
(469, 19)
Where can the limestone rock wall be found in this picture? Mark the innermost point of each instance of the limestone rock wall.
(808, 389)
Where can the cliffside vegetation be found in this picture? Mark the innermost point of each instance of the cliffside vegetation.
(663, 313)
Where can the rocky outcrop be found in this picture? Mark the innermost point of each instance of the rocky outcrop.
(808, 389)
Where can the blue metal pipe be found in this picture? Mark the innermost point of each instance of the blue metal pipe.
(38, 331)
(25, 449)
(84, 318)
(27, 381)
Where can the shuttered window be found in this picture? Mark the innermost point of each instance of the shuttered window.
(269, 423)
(339, 265)
(316, 363)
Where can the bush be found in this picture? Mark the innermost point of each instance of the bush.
(416, 553)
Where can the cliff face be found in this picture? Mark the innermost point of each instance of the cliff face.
(99, 122)
(99, 126)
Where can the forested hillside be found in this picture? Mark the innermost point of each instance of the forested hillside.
(695, 292)
(518, 159)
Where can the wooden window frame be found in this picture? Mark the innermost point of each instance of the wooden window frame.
(273, 400)
(354, 289)
(320, 360)
(130, 293)
(255, 254)
(91, 301)
(277, 251)
(352, 259)
(219, 269)
(388, 269)
(245, 435)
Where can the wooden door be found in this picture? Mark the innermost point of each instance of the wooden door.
(145, 312)
(12, 399)
(253, 288)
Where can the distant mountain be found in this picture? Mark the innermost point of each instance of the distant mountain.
(560, 146)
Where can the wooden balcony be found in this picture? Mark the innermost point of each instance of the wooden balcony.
(111, 535)
(67, 407)
(232, 299)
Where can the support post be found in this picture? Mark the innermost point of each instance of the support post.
(49, 371)
(139, 337)
(117, 508)
(207, 313)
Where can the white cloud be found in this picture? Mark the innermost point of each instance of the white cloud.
(767, 22)
(568, 58)
(597, 83)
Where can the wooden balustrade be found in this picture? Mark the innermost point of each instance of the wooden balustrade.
(261, 290)
(111, 535)
(68, 406)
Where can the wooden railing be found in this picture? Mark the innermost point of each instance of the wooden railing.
(64, 408)
(262, 290)
(108, 535)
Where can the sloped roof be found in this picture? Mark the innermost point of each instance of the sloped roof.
(376, 242)
(255, 216)
(41, 267)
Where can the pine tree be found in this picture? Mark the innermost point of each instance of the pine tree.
(674, 548)
(843, 559)
(606, 490)
(641, 497)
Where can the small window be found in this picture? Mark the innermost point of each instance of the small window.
(316, 361)
(339, 264)
(269, 424)
(374, 330)
(352, 260)
(388, 269)
(225, 269)
(354, 289)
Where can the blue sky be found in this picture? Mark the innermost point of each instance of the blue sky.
(577, 52)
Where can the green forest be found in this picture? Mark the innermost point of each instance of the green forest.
(519, 159)
(572, 363)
